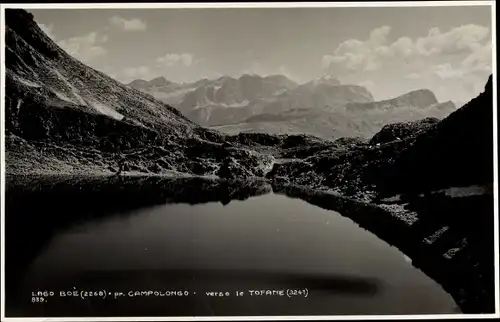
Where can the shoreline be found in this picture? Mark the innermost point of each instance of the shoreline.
(457, 275)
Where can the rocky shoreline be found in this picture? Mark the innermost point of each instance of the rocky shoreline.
(436, 248)
(457, 267)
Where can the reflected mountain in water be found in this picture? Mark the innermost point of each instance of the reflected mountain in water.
(156, 233)
(41, 206)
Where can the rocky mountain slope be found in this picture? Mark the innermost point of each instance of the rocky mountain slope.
(208, 101)
(402, 157)
(229, 100)
(322, 107)
(63, 116)
(425, 186)
(420, 99)
(345, 120)
(433, 182)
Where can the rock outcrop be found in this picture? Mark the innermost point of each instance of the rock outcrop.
(422, 98)
(399, 131)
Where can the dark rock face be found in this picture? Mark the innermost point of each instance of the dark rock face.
(463, 141)
(399, 131)
(430, 154)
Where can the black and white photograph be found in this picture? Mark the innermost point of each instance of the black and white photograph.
(168, 161)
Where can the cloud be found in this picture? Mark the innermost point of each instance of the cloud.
(378, 36)
(172, 59)
(479, 60)
(403, 47)
(476, 63)
(432, 51)
(133, 24)
(461, 39)
(86, 47)
(137, 72)
(446, 71)
(48, 29)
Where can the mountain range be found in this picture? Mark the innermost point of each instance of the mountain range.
(274, 104)
(408, 182)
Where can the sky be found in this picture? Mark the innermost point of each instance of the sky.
(390, 51)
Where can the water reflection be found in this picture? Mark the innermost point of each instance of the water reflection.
(201, 235)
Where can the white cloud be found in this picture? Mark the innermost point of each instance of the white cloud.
(85, 47)
(434, 49)
(133, 24)
(457, 40)
(446, 71)
(330, 59)
(173, 59)
(450, 58)
(378, 36)
(403, 47)
(48, 29)
(479, 60)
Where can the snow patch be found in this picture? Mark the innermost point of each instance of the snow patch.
(27, 82)
(74, 90)
(62, 96)
(106, 110)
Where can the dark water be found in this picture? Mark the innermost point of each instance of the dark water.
(175, 239)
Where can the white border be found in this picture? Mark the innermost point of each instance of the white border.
(249, 5)
(2, 157)
(495, 153)
(253, 5)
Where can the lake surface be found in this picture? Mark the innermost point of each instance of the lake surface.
(266, 242)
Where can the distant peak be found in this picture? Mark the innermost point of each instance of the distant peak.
(138, 81)
(159, 81)
(421, 91)
(424, 92)
(276, 76)
(252, 75)
(419, 98)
